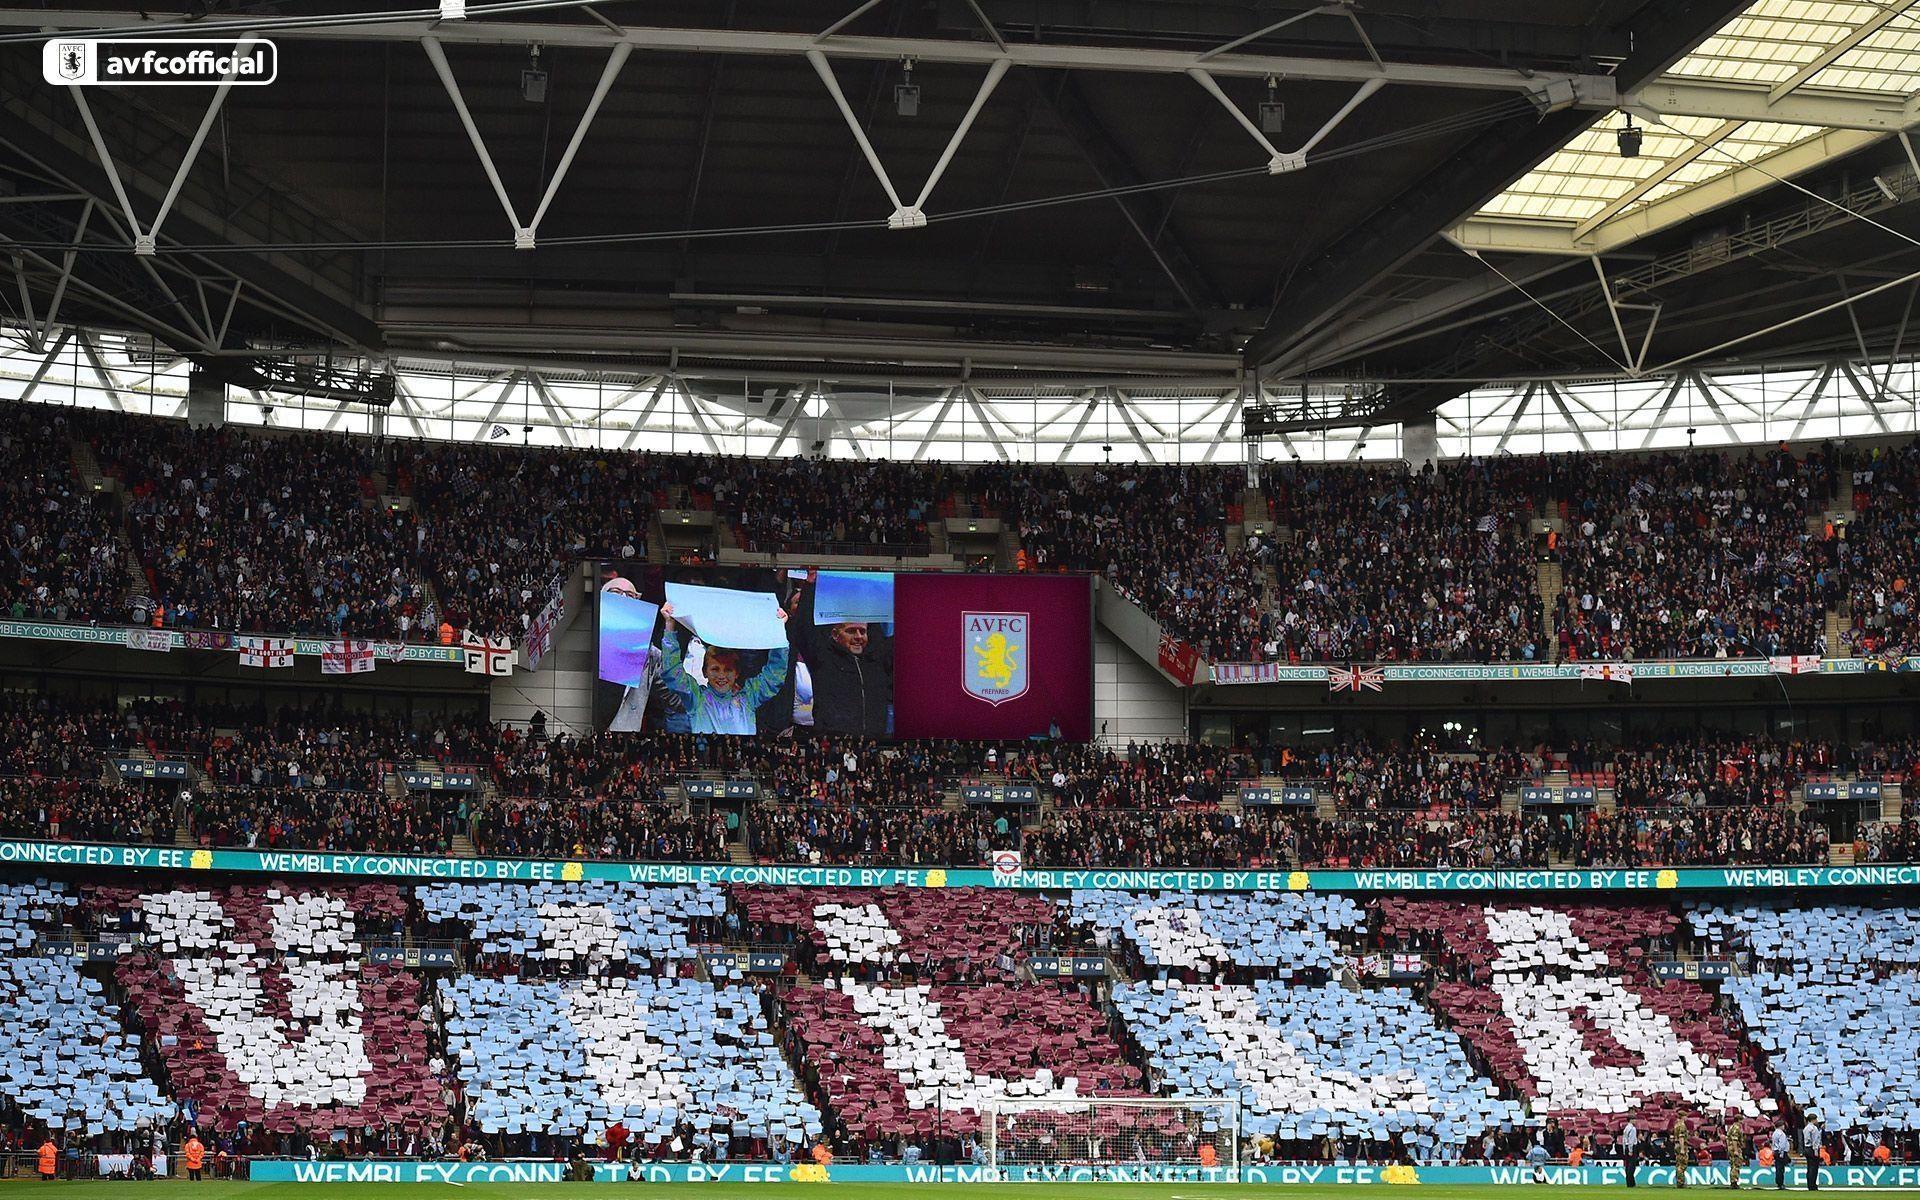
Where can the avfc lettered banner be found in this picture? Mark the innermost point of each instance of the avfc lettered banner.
(993, 656)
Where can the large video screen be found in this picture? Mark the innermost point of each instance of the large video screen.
(759, 651)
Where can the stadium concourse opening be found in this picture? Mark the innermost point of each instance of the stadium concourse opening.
(1179, 600)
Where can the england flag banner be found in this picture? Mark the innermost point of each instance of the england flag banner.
(353, 656)
(266, 652)
(487, 656)
(1795, 664)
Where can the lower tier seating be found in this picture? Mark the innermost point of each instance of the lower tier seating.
(573, 1058)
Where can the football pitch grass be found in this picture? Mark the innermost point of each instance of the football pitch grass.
(93, 1189)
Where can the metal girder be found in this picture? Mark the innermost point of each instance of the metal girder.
(906, 216)
(1520, 236)
(144, 239)
(1398, 230)
(1727, 100)
(1592, 88)
(524, 232)
(1279, 161)
(1351, 338)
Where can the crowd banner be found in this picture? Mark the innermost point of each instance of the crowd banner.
(424, 866)
(162, 640)
(1218, 673)
(540, 632)
(1563, 672)
(1891, 1178)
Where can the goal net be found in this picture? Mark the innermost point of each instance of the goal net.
(1141, 1132)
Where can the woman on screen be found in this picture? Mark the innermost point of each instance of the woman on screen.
(721, 704)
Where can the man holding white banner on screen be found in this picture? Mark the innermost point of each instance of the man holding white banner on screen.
(840, 634)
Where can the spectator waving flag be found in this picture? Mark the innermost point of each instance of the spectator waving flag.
(1488, 524)
(1795, 664)
(266, 652)
(1178, 658)
(1607, 672)
(353, 656)
(1371, 679)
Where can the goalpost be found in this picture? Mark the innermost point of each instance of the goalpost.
(1095, 1131)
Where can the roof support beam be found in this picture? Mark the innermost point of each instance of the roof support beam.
(144, 239)
(1672, 167)
(1277, 162)
(906, 216)
(1594, 88)
(1728, 100)
(524, 233)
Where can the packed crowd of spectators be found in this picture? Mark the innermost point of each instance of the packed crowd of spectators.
(1697, 554)
(588, 827)
(1096, 776)
(1362, 776)
(64, 560)
(329, 779)
(1700, 555)
(808, 505)
(1883, 543)
(251, 532)
(1158, 534)
(77, 810)
(1389, 566)
(1712, 771)
(893, 837)
(500, 524)
(278, 817)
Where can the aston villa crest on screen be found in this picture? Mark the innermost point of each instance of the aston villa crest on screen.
(994, 667)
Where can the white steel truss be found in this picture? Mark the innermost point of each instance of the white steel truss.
(1847, 397)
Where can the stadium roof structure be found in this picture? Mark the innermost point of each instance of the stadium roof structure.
(1072, 199)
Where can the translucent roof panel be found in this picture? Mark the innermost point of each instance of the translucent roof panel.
(1772, 42)
(1774, 39)
(1587, 177)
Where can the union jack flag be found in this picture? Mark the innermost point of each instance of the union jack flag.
(1341, 679)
